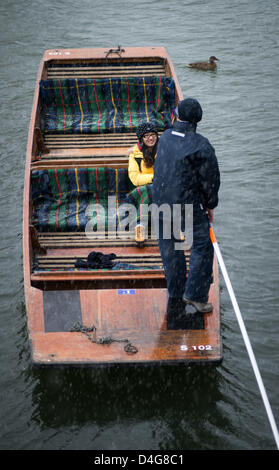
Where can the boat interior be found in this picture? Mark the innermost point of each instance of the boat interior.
(82, 265)
(87, 117)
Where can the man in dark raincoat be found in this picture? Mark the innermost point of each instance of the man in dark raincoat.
(186, 171)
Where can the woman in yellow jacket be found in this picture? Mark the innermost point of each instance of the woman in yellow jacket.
(141, 162)
(142, 157)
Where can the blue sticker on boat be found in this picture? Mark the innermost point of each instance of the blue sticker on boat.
(126, 291)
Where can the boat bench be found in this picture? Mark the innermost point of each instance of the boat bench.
(105, 105)
(77, 199)
(93, 69)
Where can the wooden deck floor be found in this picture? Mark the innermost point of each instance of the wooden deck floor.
(135, 315)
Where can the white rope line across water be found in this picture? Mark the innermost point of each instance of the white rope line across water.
(245, 338)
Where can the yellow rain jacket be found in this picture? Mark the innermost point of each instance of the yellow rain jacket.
(139, 174)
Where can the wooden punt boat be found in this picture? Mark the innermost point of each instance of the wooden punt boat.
(86, 109)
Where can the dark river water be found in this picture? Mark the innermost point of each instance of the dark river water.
(155, 408)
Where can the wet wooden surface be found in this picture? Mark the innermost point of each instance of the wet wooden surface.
(138, 316)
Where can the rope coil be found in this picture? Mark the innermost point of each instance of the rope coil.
(78, 327)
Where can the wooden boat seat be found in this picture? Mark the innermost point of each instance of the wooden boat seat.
(102, 70)
(123, 261)
(80, 159)
(100, 240)
(106, 150)
(89, 141)
(133, 268)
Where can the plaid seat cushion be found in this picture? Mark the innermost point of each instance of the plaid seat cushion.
(66, 200)
(111, 105)
(142, 195)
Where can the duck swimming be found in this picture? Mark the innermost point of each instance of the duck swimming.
(210, 65)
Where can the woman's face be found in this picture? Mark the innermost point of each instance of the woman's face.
(150, 139)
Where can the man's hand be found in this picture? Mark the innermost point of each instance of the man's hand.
(210, 213)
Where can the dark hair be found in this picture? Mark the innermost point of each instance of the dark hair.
(149, 154)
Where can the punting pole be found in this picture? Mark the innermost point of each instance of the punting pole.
(245, 336)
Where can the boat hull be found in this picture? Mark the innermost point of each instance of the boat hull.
(122, 315)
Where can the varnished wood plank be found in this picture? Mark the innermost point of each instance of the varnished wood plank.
(65, 261)
(80, 239)
(83, 162)
(71, 260)
(86, 145)
(49, 265)
(98, 274)
(167, 347)
(100, 233)
(85, 72)
(65, 159)
(78, 153)
(82, 141)
(96, 244)
(121, 250)
(106, 71)
(95, 75)
(121, 256)
(104, 140)
(87, 137)
(35, 309)
(109, 68)
(95, 240)
(106, 68)
(92, 136)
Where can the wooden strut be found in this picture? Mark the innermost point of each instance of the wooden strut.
(36, 245)
(42, 148)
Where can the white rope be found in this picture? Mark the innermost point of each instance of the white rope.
(247, 342)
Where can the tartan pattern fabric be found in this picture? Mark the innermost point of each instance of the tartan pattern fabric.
(138, 197)
(110, 105)
(65, 200)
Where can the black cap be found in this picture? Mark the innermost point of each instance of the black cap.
(144, 128)
(189, 110)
